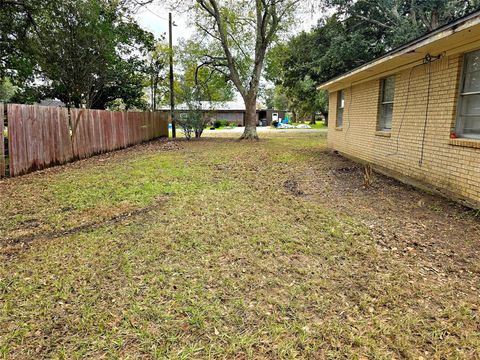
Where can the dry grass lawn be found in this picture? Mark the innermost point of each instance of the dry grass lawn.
(225, 249)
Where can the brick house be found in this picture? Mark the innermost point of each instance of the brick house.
(414, 113)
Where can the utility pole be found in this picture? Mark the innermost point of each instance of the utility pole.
(172, 95)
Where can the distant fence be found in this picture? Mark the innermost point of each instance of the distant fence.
(44, 136)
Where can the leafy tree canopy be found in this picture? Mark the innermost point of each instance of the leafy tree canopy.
(356, 32)
(210, 84)
(83, 52)
(7, 90)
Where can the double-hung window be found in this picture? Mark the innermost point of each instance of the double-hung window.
(468, 114)
(340, 107)
(387, 95)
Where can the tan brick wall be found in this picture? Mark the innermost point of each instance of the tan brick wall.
(450, 166)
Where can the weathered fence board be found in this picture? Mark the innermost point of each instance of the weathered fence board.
(38, 137)
(2, 142)
(97, 131)
(161, 124)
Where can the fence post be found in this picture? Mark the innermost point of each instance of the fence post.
(2, 140)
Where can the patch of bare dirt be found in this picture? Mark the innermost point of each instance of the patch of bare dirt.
(404, 221)
(291, 185)
(11, 246)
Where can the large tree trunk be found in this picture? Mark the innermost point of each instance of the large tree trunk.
(250, 132)
(325, 115)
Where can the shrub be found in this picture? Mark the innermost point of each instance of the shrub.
(220, 123)
(192, 123)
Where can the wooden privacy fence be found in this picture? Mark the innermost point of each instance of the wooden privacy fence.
(38, 137)
(43, 136)
(96, 131)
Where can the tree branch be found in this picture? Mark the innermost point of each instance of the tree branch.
(213, 10)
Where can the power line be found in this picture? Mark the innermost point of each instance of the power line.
(154, 13)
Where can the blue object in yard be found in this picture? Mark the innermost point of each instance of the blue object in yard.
(285, 121)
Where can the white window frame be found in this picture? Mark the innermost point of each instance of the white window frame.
(462, 95)
(340, 106)
(382, 103)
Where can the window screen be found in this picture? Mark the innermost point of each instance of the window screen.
(340, 107)
(387, 95)
(468, 120)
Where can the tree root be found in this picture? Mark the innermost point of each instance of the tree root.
(249, 134)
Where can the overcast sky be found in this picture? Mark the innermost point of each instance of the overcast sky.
(154, 18)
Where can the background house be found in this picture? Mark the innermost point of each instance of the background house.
(234, 112)
(52, 102)
(414, 113)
